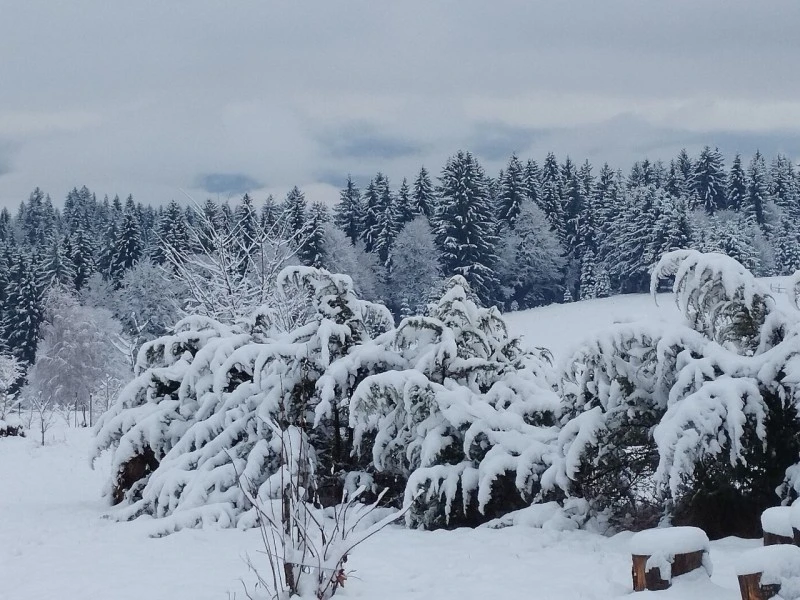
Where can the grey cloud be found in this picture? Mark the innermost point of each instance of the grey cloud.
(365, 141)
(227, 183)
(498, 141)
(338, 178)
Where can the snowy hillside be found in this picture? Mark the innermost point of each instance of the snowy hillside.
(560, 327)
(54, 543)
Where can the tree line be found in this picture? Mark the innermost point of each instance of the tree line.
(531, 235)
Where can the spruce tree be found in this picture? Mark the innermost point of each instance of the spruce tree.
(24, 315)
(269, 214)
(312, 252)
(173, 233)
(294, 208)
(465, 225)
(424, 194)
(533, 177)
(56, 267)
(381, 225)
(129, 245)
(757, 192)
(404, 207)
(550, 200)
(348, 215)
(371, 210)
(588, 285)
(783, 186)
(83, 257)
(737, 185)
(512, 192)
(708, 182)
(247, 224)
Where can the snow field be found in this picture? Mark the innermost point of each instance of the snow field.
(54, 543)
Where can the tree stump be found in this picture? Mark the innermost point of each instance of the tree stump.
(771, 539)
(644, 579)
(751, 588)
(773, 564)
(663, 553)
(776, 523)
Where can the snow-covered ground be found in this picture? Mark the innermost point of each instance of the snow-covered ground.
(54, 542)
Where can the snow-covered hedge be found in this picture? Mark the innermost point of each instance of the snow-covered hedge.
(446, 402)
(697, 424)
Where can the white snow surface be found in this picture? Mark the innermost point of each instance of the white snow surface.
(777, 521)
(779, 564)
(562, 328)
(54, 543)
(669, 541)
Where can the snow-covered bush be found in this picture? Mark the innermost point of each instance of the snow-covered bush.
(447, 403)
(696, 423)
(468, 419)
(197, 412)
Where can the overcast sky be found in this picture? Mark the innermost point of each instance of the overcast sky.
(215, 98)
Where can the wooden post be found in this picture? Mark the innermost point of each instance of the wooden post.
(651, 580)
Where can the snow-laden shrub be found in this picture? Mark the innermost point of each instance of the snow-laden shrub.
(468, 419)
(447, 403)
(696, 423)
(198, 409)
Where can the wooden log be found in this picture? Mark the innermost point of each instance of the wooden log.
(796, 533)
(773, 539)
(644, 579)
(751, 589)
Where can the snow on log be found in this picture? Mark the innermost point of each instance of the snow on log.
(765, 572)
(663, 553)
(776, 523)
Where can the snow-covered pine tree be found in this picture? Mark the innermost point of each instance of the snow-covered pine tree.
(312, 252)
(588, 281)
(550, 200)
(737, 185)
(172, 233)
(83, 256)
(465, 225)
(530, 261)
(294, 207)
(512, 192)
(708, 181)
(270, 214)
(533, 177)
(404, 206)
(56, 268)
(628, 263)
(129, 245)
(380, 222)
(349, 212)
(782, 186)
(424, 194)
(247, 224)
(757, 190)
(23, 312)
